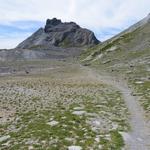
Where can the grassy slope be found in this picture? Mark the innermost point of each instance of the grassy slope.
(123, 58)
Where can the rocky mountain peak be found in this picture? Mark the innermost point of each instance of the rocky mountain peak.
(57, 24)
(59, 34)
(51, 23)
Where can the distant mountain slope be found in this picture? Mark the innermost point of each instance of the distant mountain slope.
(126, 56)
(59, 34)
(35, 54)
(135, 38)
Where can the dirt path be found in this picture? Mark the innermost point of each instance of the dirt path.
(139, 137)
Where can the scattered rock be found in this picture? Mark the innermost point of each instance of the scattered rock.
(107, 61)
(30, 148)
(78, 108)
(96, 123)
(74, 148)
(114, 126)
(53, 123)
(112, 49)
(79, 112)
(4, 138)
(139, 82)
(97, 139)
(131, 66)
(100, 146)
(27, 72)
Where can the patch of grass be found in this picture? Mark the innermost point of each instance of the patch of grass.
(117, 140)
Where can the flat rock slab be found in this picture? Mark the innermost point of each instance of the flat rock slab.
(4, 138)
(74, 148)
(139, 82)
(53, 123)
(79, 112)
(78, 108)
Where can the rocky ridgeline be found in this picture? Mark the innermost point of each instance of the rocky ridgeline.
(59, 34)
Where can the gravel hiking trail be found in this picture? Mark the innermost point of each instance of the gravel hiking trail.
(139, 136)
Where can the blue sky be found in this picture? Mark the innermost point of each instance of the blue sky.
(20, 18)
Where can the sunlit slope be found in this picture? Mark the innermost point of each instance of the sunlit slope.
(126, 55)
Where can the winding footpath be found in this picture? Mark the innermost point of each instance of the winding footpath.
(139, 136)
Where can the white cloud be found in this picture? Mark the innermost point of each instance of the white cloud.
(11, 41)
(93, 14)
(8, 43)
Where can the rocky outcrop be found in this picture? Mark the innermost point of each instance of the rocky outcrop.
(59, 34)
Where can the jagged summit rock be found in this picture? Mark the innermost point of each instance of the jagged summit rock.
(59, 34)
(51, 23)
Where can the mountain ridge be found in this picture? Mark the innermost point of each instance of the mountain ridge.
(136, 37)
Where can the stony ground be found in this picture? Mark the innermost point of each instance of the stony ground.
(62, 108)
(138, 137)
(131, 68)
